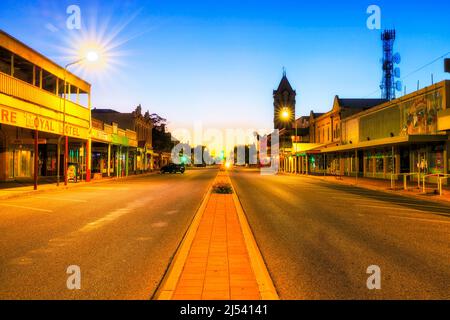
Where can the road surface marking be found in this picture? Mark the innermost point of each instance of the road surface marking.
(108, 218)
(114, 215)
(107, 188)
(61, 199)
(397, 208)
(161, 224)
(420, 219)
(171, 212)
(404, 203)
(23, 207)
(22, 261)
(365, 197)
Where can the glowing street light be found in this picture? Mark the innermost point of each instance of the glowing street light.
(92, 56)
(285, 114)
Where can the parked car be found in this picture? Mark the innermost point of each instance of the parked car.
(173, 168)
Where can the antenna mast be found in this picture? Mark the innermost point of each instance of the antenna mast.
(388, 84)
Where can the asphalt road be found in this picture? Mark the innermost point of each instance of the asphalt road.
(319, 238)
(121, 234)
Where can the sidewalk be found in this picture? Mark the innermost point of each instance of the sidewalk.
(385, 186)
(219, 263)
(15, 189)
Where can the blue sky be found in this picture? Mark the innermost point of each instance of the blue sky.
(218, 61)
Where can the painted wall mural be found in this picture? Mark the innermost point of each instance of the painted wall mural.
(420, 114)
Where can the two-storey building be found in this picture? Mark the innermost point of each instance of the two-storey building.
(40, 104)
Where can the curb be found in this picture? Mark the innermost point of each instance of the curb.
(266, 287)
(172, 275)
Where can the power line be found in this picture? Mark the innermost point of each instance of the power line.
(428, 64)
(415, 71)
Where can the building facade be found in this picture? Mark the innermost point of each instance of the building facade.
(381, 139)
(47, 129)
(112, 150)
(140, 159)
(40, 104)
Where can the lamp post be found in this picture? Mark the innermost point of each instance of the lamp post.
(91, 56)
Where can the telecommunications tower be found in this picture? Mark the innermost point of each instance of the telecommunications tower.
(389, 84)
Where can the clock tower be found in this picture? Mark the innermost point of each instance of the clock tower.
(284, 105)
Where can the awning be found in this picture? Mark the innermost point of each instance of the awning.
(387, 142)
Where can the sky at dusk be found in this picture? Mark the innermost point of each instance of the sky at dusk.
(218, 61)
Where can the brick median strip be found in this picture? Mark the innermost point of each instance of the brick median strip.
(221, 260)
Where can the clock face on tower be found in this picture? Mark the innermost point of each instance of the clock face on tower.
(284, 105)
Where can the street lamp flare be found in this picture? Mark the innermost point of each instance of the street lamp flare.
(92, 56)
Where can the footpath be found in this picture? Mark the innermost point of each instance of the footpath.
(412, 188)
(16, 189)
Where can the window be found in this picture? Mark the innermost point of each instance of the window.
(73, 94)
(83, 99)
(379, 164)
(23, 69)
(61, 87)
(49, 81)
(37, 77)
(5, 61)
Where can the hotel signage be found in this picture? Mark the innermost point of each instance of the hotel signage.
(32, 121)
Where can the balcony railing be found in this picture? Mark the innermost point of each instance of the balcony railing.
(25, 91)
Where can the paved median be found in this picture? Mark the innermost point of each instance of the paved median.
(218, 258)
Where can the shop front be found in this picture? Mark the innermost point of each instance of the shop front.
(113, 151)
(21, 145)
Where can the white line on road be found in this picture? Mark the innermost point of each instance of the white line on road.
(395, 208)
(23, 207)
(420, 219)
(369, 201)
(106, 188)
(61, 199)
(365, 197)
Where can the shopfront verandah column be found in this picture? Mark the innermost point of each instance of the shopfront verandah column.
(108, 170)
(36, 158)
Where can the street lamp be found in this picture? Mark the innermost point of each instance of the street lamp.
(286, 115)
(91, 56)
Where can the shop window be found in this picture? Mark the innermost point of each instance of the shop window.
(49, 81)
(436, 164)
(21, 163)
(5, 61)
(369, 164)
(23, 70)
(379, 164)
(390, 164)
